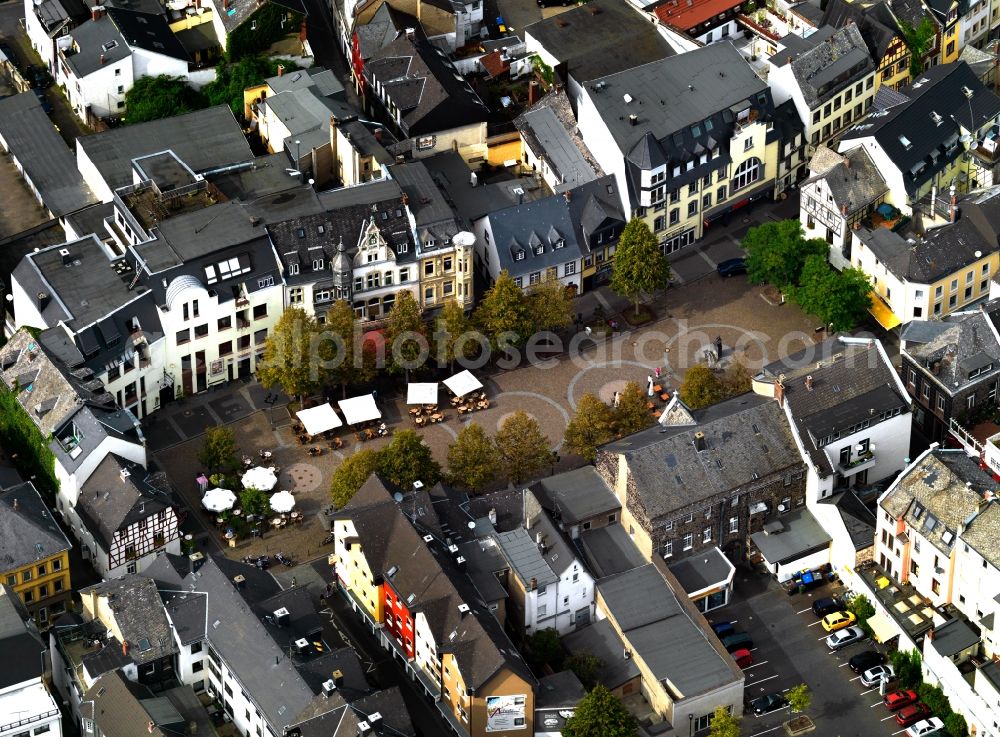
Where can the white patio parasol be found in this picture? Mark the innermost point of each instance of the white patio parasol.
(359, 409)
(282, 502)
(319, 419)
(218, 500)
(422, 393)
(462, 383)
(259, 477)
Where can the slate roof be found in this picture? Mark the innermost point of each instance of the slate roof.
(203, 139)
(543, 133)
(983, 533)
(858, 520)
(854, 181)
(958, 341)
(427, 203)
(875, 21)
(109, 503)
(921, 137)
(114, 704)
(425, 571)
(137, 611)
(672, 644)
(235, 12)
(604, 37)
(577, 495)
(937, 495)
(96, 44)
(28, 531)
(55, 14)
(20, 642)
(28, 135)
(263, 669)
(147, 31)
(670, 474)
(853, 385)
(424, 86)
(828, 63)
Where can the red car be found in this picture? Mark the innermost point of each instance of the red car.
(898, 699)
(912, 714)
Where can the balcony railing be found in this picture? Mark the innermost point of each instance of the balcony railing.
(857, 465)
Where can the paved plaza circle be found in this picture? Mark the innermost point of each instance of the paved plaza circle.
(300, 477)
(607, 392)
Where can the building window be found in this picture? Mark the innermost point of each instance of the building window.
(747, 173)
(668, 549)
(25, 576)
(734, 524)
(692, 208)
(569, 268)
(688, 541)
(720, 194)
(259, 311)
(224, 323)
(675, 216)
(706, 535)
(295, 295)
(183, 336)
(200, 331)
(535, 277)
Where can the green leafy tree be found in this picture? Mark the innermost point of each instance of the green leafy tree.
(522, 447)
(340, 350)
(631, 415)
(906, 663)
(270, 23)
(918, 41)
(25, 444)
(863, 611)
(288, 354)
(934, 697)
(591, 426)
(449, 328)
(544, 648)
(351, 474)
(776, 252)
(701, 387)
(586, 667)
(233, 78)
(402, 329)
(550, 304)
(600, 714)
(472, 458)
(737, 380)
(407, 459)
(219, 451)
(799, 697)
(723, 724)
(504, 309)
(639, 267)
(255, 502)
(839, 299)
(955, 726)
(152, 98)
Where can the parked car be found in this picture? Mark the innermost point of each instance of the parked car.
(723, 629)
(899, 699)
(732, 267)
(912, 714)
(737, 641)
(553, 3)
(874, 676)
(768, 703)
(843, 638)
(46, 105)
(925, 728)
(743, 657)
(38, 77)
(838, 620)
(827, 605)
(863, 661)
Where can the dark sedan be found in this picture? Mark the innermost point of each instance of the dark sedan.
(863, 661)
(732, 267)
(768, 703)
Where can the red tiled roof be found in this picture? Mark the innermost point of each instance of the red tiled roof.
(687, 14)
(494, 64)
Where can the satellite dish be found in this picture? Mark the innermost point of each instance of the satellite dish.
(472, 524)
(781, 507)
(398, 497)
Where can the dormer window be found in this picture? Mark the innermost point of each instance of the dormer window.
(539, 250)
(300, 232)
(518, 255)
(373, 240)
(559, 243)
(293, 269)
(317, 264)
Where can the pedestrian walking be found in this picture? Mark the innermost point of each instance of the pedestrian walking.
(294, 581)
(657, 373)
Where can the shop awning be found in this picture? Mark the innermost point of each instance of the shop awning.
(883, 628)
(462, 383)
(359, 409)
(422, 393)
(882, 313)
(319, 419)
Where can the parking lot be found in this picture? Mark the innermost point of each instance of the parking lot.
(789, 650)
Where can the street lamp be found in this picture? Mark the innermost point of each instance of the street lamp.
(690, 724)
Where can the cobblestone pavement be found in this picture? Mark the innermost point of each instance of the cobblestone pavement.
(689, 317)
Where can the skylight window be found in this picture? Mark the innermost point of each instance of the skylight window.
(108, 45)
(905, 142)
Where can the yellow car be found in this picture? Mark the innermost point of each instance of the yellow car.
(838, 620)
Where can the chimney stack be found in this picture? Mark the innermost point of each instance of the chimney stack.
(633, 119)
(953, 206)
(281, 70)
(532, 92)
(779, 390)
(843, 210)
(809, 382)
(96, 12)
(699, 441)
(102, 59)
(568, 195)
(378, 135)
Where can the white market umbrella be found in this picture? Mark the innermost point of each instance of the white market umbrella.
(282, 502)
(359, 409)
(319, 419)
(218, 500)
(261, 478)
(462, 383)
(422, 393)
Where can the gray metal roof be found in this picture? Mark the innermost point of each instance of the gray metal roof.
(663, 634)
(954, 636)
(698, 572)
(28, 134)
(204, 139)
(545, 135)
(21, 645)
(525, 557)
(801, 534)
(578, 495)
(28, 531)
